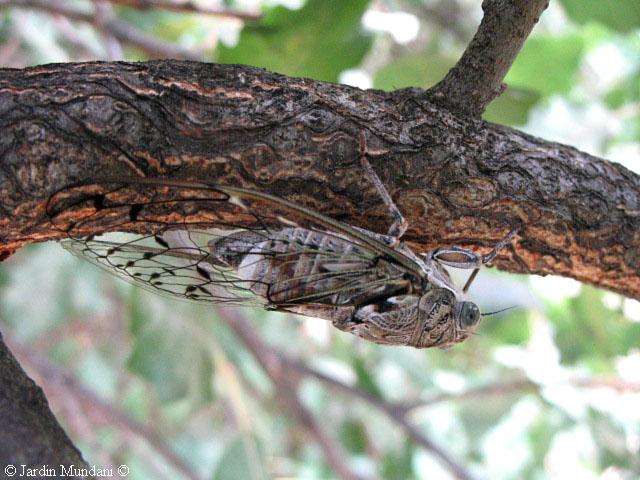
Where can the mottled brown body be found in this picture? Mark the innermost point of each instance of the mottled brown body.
(394, 309)
(282, 266)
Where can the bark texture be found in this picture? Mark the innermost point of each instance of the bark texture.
(458, 180)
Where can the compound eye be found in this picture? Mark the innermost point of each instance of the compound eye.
(469, 314)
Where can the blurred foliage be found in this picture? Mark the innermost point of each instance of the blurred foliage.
(548, 389)
(319, 41)
(622, 15)
(558, 56)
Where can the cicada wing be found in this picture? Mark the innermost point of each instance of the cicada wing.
(155, 264)
(228, 245)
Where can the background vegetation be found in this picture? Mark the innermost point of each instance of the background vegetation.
(549, 389)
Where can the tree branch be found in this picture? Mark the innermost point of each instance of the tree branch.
(520, 385)
(30, 434)
(286, 387)
(446, 14)
(457, 180)
(123, 31)
(279, 364)
(396, 413)
(477, 77)
(185, 7)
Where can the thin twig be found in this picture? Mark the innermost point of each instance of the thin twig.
(104, 13)
(185, 7)
(477, 77)
(123, 31)
(277, 361)
(613, 383)
(286, 388)
(520, 385)
(396, 413)
(446, 14)
(287, 391)
(69, 31)
(503, 388)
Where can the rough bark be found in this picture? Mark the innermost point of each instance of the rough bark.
(30, 436)
(458, 180)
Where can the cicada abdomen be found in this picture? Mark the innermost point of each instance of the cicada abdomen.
(311, 272)
(235, 246)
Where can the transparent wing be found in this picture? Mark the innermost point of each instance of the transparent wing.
(191, 273)
(249, 250)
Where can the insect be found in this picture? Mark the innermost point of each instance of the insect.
(281, 256)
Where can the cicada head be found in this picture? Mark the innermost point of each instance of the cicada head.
(444, 320)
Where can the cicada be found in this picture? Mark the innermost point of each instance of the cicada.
(279, 255)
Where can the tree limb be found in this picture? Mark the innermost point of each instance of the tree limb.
(457, 180)
(477, 77)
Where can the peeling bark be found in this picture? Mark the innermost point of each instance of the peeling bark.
(458, 180)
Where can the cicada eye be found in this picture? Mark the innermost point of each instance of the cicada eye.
(469, 314)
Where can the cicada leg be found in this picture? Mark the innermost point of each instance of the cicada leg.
(394, 327)
(458, 257)
(400, 224)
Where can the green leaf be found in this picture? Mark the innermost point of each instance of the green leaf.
(507, 328)
(631, 130)
(423, 69)
(175, 363)
(541, 435)
(621, 15)
(426, 69)
(241, 459)
(588, 333)
(353, 434)
(137, 315)
(365, 380)
(397, 464)
(170, 26)
(547, 65)
(319, 41)
(155, 358)
(481, 415)
(97, 373)
(610, 438)
(624, 94)
(512, 107)
(627, 92)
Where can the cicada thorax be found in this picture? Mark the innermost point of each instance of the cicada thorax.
(419, 320)
(295, 266)
(437, 311)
